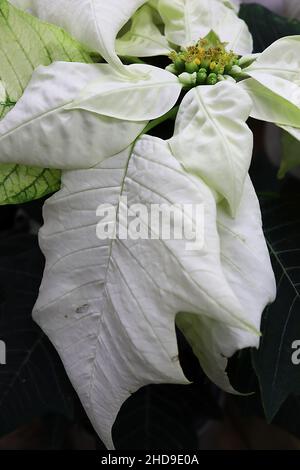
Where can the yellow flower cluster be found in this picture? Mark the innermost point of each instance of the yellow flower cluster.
(208, 58)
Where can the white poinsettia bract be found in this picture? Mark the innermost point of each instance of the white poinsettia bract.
(110, 306)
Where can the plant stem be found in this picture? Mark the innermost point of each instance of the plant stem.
(156, 122)
(132, 60)
(8, 103)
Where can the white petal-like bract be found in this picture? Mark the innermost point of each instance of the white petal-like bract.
(109, 305)
(212, 139)
(68, 109)
(189, 20)
(95, 23)
(247, 268)
(144, 38)
(275, 84)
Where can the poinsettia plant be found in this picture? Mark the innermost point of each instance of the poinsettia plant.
(79, 95)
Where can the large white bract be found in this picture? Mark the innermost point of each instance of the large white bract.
(110, 306)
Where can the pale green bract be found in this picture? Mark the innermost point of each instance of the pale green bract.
(95, 23)
(188, 20)
(269, 106)
(110, 306)
(28, 42)
(274, 85)
(144, 38)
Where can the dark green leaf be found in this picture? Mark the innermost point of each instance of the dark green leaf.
(290, 154)
(243, 377)
(33, 381)
(266, 27)
(163, 417)
(278, 376)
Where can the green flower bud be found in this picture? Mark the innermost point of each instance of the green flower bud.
(172, 69)
(208, 61)
(219, 68)
(211, 79)
(191, 67)
(205, 63)
(180, 65)
(247, 60)
(227, 68)
(235, 70)
(201, 77)
(188, 79)
(230, 64)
